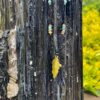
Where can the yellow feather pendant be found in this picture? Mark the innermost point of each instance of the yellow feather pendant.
(55, 66)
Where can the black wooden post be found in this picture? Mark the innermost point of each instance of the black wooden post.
(45, 29)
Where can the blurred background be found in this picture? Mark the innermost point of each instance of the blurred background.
(91, 47)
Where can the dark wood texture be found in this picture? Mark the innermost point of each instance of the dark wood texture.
(36, 48)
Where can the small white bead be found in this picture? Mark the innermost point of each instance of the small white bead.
(35, 93)
(76, 33)
(34, 73)
(11, 19)
(31, 62)
(77, 80)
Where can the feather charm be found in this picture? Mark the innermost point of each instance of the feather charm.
(55, 66)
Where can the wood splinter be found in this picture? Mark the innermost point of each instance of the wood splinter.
(12, 87)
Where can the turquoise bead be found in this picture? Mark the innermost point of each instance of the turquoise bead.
(50, 27)
(49, 2)
(65, 2)
(63, 27)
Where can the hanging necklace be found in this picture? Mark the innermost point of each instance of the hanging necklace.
(55, 62)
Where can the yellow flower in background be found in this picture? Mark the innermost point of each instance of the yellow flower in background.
(91, 51)
(55, 66)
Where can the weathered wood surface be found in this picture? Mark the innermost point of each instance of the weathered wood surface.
(36, 48)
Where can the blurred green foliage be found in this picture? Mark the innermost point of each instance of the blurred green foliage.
(91, 4)
(91, 46)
